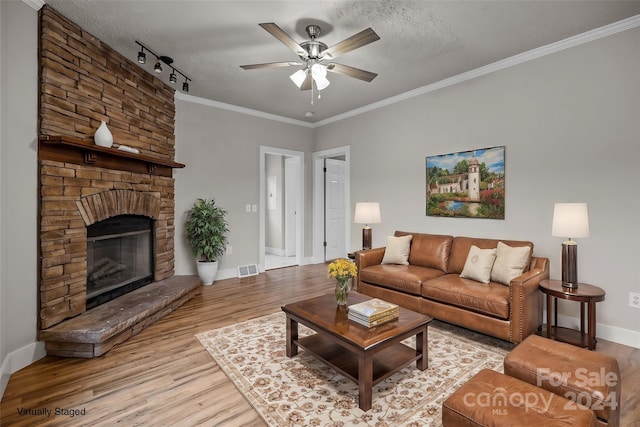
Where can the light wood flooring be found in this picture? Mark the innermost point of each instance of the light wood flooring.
(164, 377)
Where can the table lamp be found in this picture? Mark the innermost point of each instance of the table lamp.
(367, 213)
(570, 220)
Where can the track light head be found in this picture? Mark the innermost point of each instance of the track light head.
(142, 57)
(172, 77)
(158, 67)
(185, 87)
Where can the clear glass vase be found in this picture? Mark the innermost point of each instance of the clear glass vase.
(342, 290)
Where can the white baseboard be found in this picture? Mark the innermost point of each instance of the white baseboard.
(19, 359)
(274, 251)
(615, 334)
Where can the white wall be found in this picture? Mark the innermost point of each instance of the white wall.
(221, 150)
(571, 128)
(18, 188)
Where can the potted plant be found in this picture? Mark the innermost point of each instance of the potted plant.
(205, 231)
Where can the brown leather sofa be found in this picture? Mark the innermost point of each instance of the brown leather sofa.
(431, 284)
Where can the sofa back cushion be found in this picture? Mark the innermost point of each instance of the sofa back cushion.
(461, 245)
(429, 250)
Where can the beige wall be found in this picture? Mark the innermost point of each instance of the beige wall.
(222, 152)
(18, 187)
(570, 125)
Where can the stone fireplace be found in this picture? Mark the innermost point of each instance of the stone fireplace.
(84, 186)
(78, 196)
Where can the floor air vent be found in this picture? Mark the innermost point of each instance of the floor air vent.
(247, 270)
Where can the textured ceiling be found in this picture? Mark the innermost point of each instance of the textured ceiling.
(422, 42)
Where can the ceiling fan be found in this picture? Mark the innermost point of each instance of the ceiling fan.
(316, 57)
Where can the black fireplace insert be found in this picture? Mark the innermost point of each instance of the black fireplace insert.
(120, 257)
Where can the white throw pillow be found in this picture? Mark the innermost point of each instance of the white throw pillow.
(397, 250)
(478, 265)
(510, 263)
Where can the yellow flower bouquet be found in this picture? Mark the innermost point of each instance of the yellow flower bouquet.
(342, 270)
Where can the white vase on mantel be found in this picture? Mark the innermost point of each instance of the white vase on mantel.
(103, 136)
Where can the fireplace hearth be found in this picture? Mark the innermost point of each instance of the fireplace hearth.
(119, 257)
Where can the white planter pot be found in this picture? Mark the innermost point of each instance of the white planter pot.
(207, 271)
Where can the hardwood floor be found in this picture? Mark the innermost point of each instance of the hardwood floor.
(163, 376)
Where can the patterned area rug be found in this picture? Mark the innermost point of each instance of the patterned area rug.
(302, 391)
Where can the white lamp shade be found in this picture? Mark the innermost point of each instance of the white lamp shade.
(367, 213)
(570, 220)
(318, 71)
(319, 74)
(298, 77)
(322, 82)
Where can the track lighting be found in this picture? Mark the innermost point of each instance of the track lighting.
(173, 78)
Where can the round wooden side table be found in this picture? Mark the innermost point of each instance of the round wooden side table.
(584, 294)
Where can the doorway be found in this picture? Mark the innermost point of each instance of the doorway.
(281, 207)
(331, 224)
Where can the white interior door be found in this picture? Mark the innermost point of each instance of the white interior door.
(290, 194)
(335, 209)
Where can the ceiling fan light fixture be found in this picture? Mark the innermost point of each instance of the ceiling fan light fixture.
(298, 77)
(318, 70)
(321, 82)
(319, 74)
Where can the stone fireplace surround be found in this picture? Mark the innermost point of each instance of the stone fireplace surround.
(84, 82)
(73, 197)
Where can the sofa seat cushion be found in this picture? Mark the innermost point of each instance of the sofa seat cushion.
(491, 299)
(404, 278)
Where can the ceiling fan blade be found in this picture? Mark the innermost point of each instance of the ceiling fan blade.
(356, 73)
(279, 33)
(271, 65)
(306, 84)
(364, 37)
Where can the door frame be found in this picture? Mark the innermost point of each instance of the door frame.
(299, 155)
(318, 198)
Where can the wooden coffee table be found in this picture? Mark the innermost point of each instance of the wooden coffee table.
(366, 356)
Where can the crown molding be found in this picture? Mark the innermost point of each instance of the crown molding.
(539, 52)
(34, 4)
(261, 114)
(589, 36)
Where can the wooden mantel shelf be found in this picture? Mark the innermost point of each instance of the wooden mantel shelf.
(72, 150)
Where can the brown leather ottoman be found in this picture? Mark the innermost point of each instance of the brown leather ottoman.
(494, 399)
(589, 378)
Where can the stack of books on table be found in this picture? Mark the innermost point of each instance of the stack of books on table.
(373, 312)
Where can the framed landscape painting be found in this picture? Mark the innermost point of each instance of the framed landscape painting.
(467, 184)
